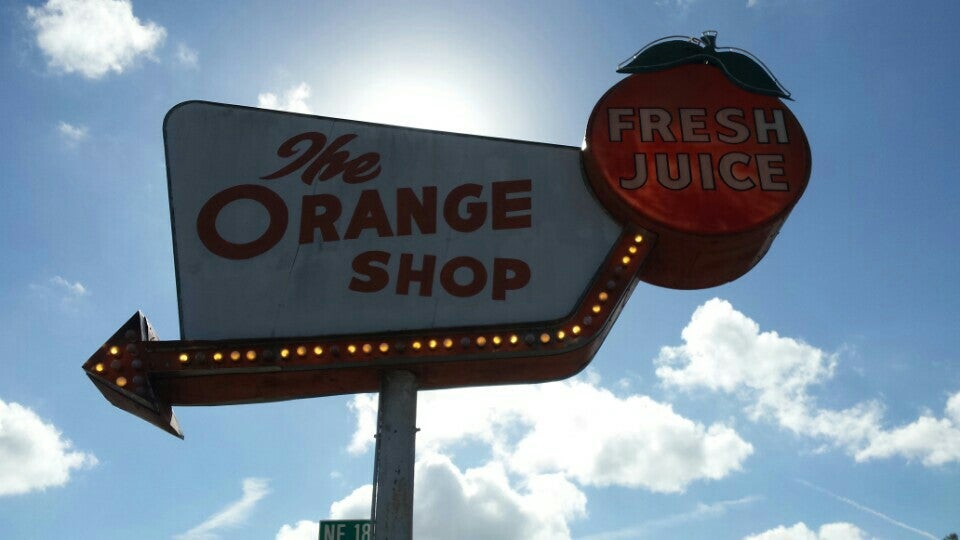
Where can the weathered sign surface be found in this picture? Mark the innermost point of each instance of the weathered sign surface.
(288, 225)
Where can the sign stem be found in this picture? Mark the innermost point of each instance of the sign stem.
(394, 459)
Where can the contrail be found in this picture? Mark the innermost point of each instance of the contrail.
(702, 511)
(859, 506)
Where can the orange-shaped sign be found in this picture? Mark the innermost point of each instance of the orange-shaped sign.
(710, 168)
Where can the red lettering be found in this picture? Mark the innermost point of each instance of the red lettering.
(310, 220)
(377, 277)
(369, 214)
(478, 277)
(502, 204)
(218, 245)
(408, 274)
(323, 162)
(509, 275)
(423, 211)
(476, 211)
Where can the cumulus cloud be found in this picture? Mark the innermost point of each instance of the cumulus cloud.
(72, 134)
(186, 56)
(800, 531)
(232, 515)
(302, 530)
(544, 442)
(92, 37)
(293, 100)
(34, 455)
(630, 441)
(723, 350)
(476, 504)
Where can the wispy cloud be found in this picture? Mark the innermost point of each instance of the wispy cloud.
(233, 515)
(868, 510)
(72, 134)
(92, 37)
(67, 294)
(186, 56)
(702, 511)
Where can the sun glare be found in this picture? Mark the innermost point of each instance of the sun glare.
(425, 104)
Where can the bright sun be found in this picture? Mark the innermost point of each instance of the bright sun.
(423, 104)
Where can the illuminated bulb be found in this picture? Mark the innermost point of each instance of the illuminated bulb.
(318, 350)
(251, 355)
(121, 381)
(114, 350)
(447, 343)
(416, 345)
(217, 356)
(234, 355)
(544, 338)
(481, 341)
(632, 250)
(432, 344)
(603, 296)
(284, 353)
(560, 335)
(514, 339)
(625, 259)
(638, 239)
(496, 341)
(367, 348)
(184, 358)
(98, 368)
(596, 308)
(351, 348)
(575, 330)
(384, 348)
(301, 351)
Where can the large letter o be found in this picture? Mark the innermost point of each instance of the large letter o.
(207, 222)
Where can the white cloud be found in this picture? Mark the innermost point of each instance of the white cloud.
(232, 515)
(92, 37)
(186, 56)
(303, 530)
(630, 441)
(800, 531)
(75, 289)
(33, 453)
(356, 505)
(544, 442)
(67, 294)
(478, 503)
(72, 134)
(725, 351)
(294, 100)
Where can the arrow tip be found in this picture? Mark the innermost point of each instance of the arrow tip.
(117, 370)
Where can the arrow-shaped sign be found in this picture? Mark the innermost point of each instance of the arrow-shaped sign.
(146, 377)
(120, 371)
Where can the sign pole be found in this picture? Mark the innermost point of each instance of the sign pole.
(394, 459)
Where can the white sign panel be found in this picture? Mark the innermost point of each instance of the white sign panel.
(288, 225)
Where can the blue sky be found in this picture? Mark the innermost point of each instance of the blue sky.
(818, 397)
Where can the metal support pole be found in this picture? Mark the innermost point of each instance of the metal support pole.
(396, 446)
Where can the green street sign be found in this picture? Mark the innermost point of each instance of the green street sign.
(346, 529)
